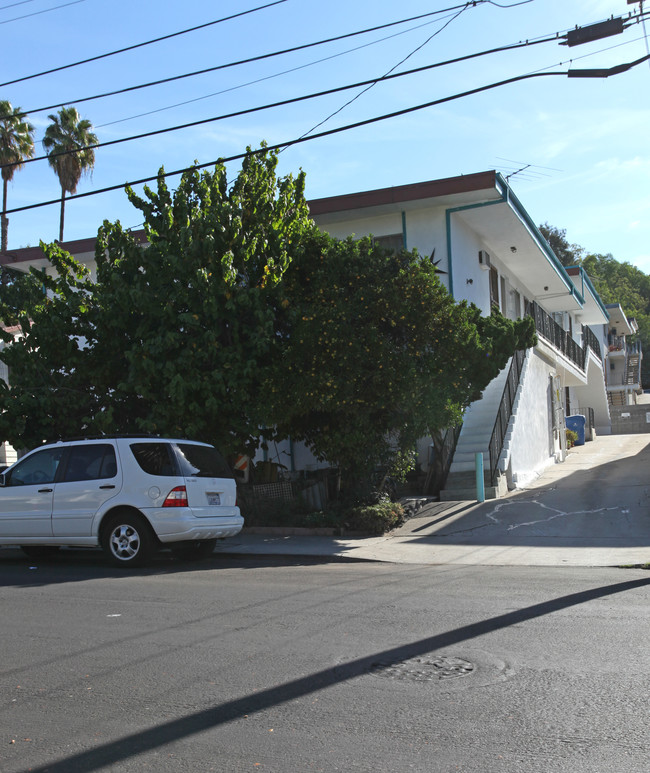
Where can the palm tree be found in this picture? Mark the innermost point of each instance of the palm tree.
(16, 145)
(66, 143)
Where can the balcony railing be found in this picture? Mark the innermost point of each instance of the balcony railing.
(549, 329)
(590, 340)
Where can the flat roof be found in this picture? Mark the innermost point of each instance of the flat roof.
(431, 189)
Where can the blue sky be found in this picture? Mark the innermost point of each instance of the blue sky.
(585, 140)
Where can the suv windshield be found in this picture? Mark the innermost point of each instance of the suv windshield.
(202, 462)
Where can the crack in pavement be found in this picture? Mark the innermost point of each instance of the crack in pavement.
(556, 514)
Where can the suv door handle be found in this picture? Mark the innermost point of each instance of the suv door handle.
(108, 486)
(45, 490)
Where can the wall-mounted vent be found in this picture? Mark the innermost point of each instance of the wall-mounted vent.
(484, 260)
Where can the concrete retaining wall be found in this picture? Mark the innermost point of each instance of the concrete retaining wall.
(630, 419)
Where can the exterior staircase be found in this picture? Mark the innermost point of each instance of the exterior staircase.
(633, 370)
(478, 424)
(617, 397)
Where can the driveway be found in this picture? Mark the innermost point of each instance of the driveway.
(592, 510)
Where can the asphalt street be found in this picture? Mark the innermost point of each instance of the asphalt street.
(297, 664)
(432, 649)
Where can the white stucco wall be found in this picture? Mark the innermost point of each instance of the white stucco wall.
(470, 281)
(381, 225)
(533, 444)
(425, 231)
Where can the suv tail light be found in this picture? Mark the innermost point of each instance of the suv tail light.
(177, 497)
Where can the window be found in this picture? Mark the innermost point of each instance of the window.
(155, 458)
(91, 462)
(39, 467)
(504, 309)
(394, 242)
(202, 462)
(494, 287)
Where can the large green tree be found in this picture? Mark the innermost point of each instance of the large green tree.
(16, 145)
(626, 284)
(52, 392)
(374, 353)
(185, 325)
(568, 254)
(174, 336)
(66, 142)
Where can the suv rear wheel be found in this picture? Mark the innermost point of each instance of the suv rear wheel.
(127, 539)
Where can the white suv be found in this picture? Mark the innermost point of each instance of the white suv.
(129, 495)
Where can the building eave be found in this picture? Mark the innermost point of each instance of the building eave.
(594, 311)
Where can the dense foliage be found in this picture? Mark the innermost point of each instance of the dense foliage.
(173, 338)
(374, 353)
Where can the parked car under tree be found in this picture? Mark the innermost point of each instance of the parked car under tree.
(128, 495)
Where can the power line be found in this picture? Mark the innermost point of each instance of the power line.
(12, 5)
(281, 103)
(265, 77)
(530, 41)
(385, 75)
(279, 146)
(215, 68)
(38, 13)
(139, 45)
(329, 132)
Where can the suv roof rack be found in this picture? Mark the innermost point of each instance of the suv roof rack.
(113, 436)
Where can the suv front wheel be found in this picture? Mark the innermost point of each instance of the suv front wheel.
(127, 539)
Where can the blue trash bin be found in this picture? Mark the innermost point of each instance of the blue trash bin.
(577, 424)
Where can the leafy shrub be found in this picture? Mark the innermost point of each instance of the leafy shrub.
(375, 519)
(571, 438)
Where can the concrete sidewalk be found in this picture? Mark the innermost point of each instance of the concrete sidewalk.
(592, 510)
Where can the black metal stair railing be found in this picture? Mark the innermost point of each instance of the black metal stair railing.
(504, 413)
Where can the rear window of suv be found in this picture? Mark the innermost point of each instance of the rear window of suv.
(155, 458)
(202, 462)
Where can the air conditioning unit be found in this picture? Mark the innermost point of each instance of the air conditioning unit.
(484, 260)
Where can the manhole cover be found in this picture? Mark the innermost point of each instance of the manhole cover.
(423, 669)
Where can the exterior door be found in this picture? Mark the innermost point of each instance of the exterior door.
(27, 495)
(89, 478)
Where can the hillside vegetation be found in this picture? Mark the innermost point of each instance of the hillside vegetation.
(615, 282)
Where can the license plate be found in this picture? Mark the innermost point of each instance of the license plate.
(213, 498)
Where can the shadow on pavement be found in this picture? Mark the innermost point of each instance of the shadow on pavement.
(606, 505)
(80, 565)
(232, 710)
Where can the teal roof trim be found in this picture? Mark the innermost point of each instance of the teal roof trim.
(586, 281)
(509, 196)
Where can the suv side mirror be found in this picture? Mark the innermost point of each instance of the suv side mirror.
(2, 478)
